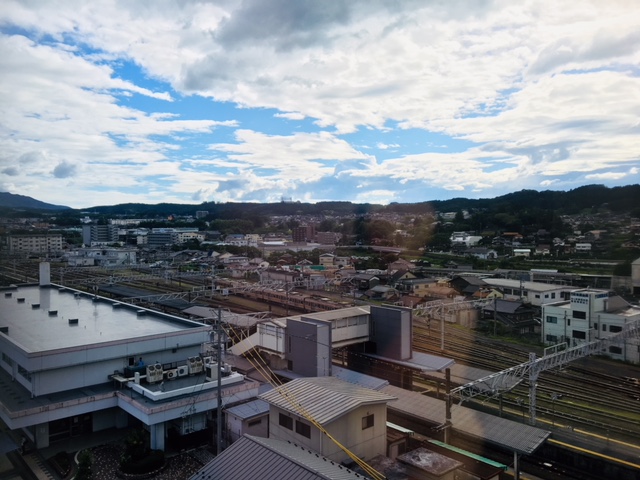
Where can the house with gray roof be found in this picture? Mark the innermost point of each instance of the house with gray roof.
(313, 411)
(255, 457)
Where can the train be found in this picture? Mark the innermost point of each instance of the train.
(293, 299)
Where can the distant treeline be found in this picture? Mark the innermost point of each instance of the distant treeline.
(617, 199)
(582, 199)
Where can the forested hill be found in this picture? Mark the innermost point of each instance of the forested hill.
(617, 199)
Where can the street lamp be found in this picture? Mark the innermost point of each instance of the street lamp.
(554, 396)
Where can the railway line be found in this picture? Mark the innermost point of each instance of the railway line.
(574, 396)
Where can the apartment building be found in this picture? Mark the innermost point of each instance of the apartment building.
(47, 243)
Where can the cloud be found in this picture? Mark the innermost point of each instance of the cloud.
(384, 146)
(290, 116)
(10, 171)
(606, 176)
(64, 170)
(192, 100)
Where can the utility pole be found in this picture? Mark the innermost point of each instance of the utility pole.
(219, 409)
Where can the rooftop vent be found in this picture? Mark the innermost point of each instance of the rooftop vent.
(73, 321)
(117, 305)
(141, 313)
(53, 313)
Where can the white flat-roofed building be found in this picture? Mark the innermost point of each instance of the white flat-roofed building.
(69, 364)
(536, 293)
(590, 315)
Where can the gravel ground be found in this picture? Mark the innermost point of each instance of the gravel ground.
(178, 467)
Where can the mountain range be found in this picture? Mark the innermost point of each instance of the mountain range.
(617, 199)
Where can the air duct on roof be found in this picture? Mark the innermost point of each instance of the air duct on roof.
(45, 274)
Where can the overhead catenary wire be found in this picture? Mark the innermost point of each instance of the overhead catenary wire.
(263, 368)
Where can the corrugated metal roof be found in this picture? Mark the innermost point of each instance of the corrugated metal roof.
(512, 435)
(255, 457)
(424, 362)
(338, 314)
(323, 398)
(358, 378)
(250, 409)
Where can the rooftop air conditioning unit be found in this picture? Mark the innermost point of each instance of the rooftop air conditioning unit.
(211, 372)
(207, 360)
(154, 373)
(183, 370)
(172, 374)
(195, 365)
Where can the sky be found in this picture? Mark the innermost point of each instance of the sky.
(108, 102)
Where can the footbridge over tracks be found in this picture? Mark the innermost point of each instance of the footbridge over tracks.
(349, 326)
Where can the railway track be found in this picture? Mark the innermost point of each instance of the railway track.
(574, 395)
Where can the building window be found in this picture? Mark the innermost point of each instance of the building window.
(285, 421)
(616, 350)
(303, 429)
(579, 334)
(604, 327)
(553, 295)
(551, 319)
(552, 338)
(579, 314)
(367, 422)
(253, 423)
(615, 329)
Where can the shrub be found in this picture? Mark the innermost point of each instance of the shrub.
(84, 466)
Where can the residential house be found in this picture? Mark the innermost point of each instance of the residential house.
(250, 418)
(253, 457)
(401, 264)
(517, 316)
(305, 410)
(467, 285)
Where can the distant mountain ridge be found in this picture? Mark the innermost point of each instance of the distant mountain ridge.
(616, 199)
(11, 200)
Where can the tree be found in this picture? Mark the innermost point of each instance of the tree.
(84, 466)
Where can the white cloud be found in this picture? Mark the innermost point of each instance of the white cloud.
(606, 176)
(541, 93)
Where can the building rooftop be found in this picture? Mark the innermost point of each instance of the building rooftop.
(49, 318)
(255, 457)
(250, 409)
(526, 285)
(323, 398)
(494, 430)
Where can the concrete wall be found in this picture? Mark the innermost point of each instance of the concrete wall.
(309, 346)
(392, 331)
